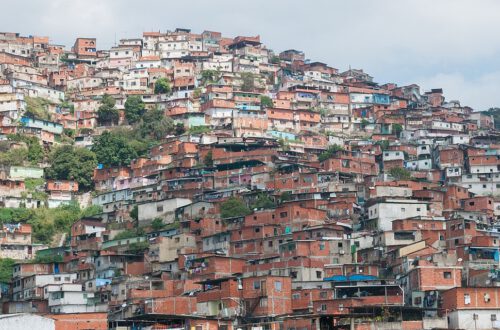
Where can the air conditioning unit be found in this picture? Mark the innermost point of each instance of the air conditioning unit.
(342, 252)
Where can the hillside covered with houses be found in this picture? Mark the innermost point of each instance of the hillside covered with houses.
(183, 180)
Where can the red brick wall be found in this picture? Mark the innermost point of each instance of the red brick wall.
(454, 298)
(172, 306)
(96, 321)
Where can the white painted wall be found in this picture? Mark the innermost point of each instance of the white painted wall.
(463, 319)
(26, 321)
(385, 212)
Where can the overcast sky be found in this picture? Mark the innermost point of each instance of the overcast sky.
(452, 44)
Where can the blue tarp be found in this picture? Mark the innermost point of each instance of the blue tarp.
(355, 277)
(102, 282)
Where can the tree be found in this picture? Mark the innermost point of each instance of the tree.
(157, 224)
(266, 102)
(66, 104)
(263, 202)
(128, 233)
(197, 93)
(284, 144)
(285, 196)
(141, 146)
(73, 163)
(107, 113)
(329, 152)
(6, 269)
(14, 215)
(275, 59)
(208, 160)
(234, 207)
(198, 129)
(37, 107)
(46, 222)
(162, 86)
(134, 139)
(397, 129)
(42, 232)
(134, 213)
(179, 129)
(34, 154)
(91, 211)
(138, 247)
(384, 144)
(155, 125)
(35, 150)
(364, 123)
(14, 157)
(113, 150)
(66, 216)
(399, 173)
(134, 109)
(209, 76)
(248, 84)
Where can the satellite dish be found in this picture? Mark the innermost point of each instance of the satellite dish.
(459, 259)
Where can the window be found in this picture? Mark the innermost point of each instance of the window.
(295, 296)
(403, 209)
(466, 299)
(447, 275)
(318, 274)
(323, 307)
(417, 301)
(256, 285)
(277, 286)
(159, 208)
(323, 294)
